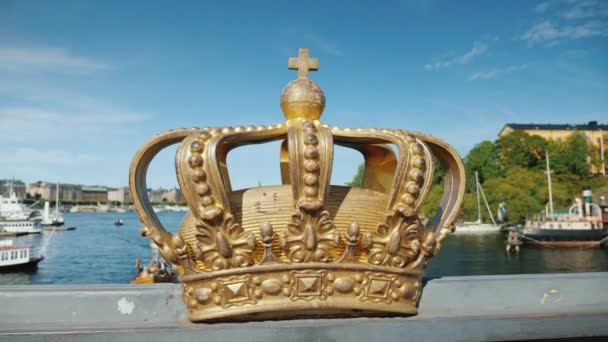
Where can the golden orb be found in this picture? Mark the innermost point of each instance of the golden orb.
(302, 98)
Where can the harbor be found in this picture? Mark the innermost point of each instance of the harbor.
(98, 252)
(239, 171)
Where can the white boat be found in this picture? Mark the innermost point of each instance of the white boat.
(51, 219)
(585, 224)
(20, 226)
(55, 218)
(478, 227)
(17, 258)
(116, 209)
(15, 218)
(90, 208)
(11, 208)
(176, 208)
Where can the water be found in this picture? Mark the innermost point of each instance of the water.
(99, 252)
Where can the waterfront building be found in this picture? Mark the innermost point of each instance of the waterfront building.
(156, 195)
(593, 131)
(121, 195)
(46, 190)
(173, 195)
(19, 187)
(94, 194)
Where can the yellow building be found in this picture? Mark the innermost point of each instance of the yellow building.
(558, 132)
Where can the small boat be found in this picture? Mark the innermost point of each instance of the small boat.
(478, 227)
(153, 279)
(156, 272)
(17, 258)
(118, 222)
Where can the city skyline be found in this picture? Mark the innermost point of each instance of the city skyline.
(83, 85)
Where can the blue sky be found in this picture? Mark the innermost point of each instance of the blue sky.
(83, 84)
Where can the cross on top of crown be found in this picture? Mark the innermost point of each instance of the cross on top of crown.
(303, 63)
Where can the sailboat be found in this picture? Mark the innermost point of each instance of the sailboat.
(478, 227)
(52, 219)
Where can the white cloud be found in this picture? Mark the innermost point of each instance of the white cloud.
(46, 60)
(27, 156)
(495, 73)
(568, 20)
(477, 50)
(547, 32)
(586, 9)
(37, 112)
(32, 123)
(543, 6)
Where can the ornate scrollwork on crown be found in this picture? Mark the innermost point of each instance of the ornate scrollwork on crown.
(222, 243)
(309, 238)
(395, 242)
(225, 245)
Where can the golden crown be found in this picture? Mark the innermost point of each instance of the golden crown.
(304, 247)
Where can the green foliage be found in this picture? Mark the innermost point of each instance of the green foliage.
(430, 205)
(358, 178)
(513, 168)
(576, 153)
(520, 149)
(483, 158)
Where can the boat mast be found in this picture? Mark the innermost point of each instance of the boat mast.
(549, 183)
(485, 201)
(478, 203)
(57, 200)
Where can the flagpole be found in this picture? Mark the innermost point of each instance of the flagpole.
(478, 201)
(602, 152)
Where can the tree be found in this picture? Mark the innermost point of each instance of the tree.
(483, 158)
(358, 178)
(556, 150)
(576, 154)
(520, 188)
(430, 205)
(520, 149)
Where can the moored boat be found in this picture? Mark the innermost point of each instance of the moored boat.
(55, 218)
(585, 224)
(12, 209)
(582, 226)
(20, 226)
(17, 258)
(478, 227)
(157, 271)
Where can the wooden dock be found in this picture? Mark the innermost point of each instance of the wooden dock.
(12, 234)
(58, 228)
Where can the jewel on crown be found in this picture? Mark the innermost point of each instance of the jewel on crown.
(303, 247)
